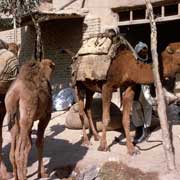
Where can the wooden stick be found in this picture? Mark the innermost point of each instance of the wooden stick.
(167, 144)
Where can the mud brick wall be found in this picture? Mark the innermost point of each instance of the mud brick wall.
(8, 35)
(56, 34)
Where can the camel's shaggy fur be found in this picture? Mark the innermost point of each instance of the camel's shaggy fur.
(125, 72)
(28, 99)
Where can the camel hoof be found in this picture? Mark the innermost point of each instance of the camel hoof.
(7, 175)
(103, 148)
(134, 152)
(86, 143)
(43, 175)
(97, 138)
(10, 175)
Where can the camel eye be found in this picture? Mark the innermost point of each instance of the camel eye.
(52, 65)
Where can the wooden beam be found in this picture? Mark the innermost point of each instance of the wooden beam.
(143, 6)
(139, 21)
(145, 21)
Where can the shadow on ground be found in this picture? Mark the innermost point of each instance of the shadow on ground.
(70, 153)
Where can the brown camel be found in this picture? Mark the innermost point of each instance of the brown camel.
(4, 85)
(125, 72)
(29, 99)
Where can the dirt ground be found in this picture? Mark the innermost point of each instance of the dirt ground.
(63, 148)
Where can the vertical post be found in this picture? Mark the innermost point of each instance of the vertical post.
(83, 3)
(162, 11)
(38, 44)
(167, 144)
(38, 41)
(131, 15)
(146, 14)
(15, 29)
(178, 8)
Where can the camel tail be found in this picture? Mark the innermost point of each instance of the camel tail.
(11, 120)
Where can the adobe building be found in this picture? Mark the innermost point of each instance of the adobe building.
(65, 23)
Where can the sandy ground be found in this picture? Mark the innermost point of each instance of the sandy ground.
(63, 147)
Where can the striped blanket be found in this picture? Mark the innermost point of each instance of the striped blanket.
(8, 65)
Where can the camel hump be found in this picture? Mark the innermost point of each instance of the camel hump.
(36, 71)
(29, 69)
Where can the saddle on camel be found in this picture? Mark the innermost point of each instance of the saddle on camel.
(119, 73)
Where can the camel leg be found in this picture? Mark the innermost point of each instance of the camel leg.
(89, 98)
(14, 137)
(24, 143)
(82, 114)
(3, 171)
(27, 150)
(39, 144)
(106, 101)
(19, 154)
(12, 119)
(127, 105)
(23, 146)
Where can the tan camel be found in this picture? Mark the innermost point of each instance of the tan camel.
(125, 72)
(29, 99)
(4, 85)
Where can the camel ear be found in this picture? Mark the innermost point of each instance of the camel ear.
(170, 50)
(52, 65)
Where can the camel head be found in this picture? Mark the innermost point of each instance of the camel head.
(173, 48)
(171, 58)
(47, 67)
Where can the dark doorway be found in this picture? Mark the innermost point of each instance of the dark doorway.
(167, 32)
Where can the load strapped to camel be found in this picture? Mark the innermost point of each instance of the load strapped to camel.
(94, 57)
(8, 65)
